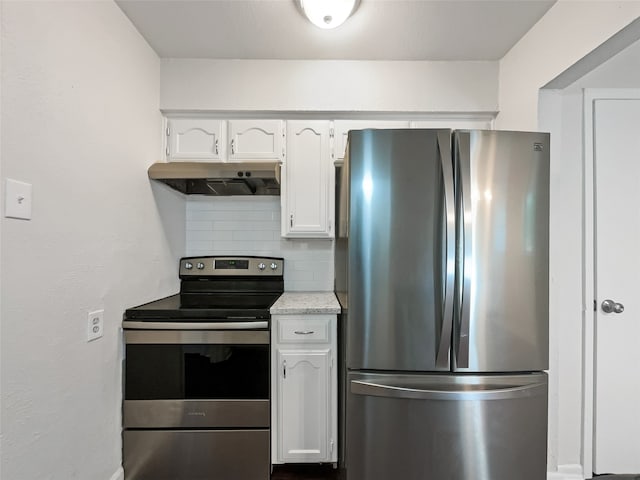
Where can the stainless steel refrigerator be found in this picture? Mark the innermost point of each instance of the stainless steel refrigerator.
(442, 272)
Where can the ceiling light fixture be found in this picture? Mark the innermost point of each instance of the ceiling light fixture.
(327, 13)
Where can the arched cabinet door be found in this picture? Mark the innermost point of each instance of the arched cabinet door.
(255, 140)
(195, 139)
(304, 405)
(308, 181)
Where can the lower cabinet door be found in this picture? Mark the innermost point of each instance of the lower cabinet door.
(304, 392)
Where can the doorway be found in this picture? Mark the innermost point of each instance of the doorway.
(612, 280)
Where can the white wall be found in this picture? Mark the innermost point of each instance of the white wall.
(561, 112)
(621, 71)
(561, 115)
(569, 31)
(81, 122)
(337, 86)
(251, 226)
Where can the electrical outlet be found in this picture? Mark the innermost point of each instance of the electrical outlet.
(95, 325)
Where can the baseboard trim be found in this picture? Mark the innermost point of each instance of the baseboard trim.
(566, 472)
(119, 475)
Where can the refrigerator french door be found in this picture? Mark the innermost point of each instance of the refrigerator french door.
(442, 272)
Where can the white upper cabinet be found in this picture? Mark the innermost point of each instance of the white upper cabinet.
(201, 139)
(342, 128)
(455, 124)
(308, 180)
(255, 140)
(195, 139)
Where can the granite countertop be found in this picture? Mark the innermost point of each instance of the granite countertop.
(305, 302)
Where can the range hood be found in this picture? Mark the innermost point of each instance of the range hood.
(219, 178)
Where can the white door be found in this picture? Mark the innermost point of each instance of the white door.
(617, 327)
(303, 405)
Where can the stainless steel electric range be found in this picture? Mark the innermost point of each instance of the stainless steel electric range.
(196, 374)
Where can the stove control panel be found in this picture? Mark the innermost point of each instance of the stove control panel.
(231, 266)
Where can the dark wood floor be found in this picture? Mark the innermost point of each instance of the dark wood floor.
(304, 472)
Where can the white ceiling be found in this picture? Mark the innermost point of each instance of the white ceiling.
(379, 30)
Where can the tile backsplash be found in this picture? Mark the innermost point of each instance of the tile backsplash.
(251, 226)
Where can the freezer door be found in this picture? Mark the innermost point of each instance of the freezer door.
(401, 249)
(418, 427)
(502, 296)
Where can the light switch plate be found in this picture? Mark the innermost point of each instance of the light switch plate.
(17, 203)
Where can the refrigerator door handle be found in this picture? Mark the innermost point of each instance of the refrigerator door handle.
(463, 159)
(444, 344)
(450, 392)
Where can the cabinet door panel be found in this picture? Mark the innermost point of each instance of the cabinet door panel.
(304, 405)
(195, 139)
(342, 128)
(255, 140)
(308, 180)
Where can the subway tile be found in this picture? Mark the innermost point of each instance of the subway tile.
(254, 235)
(203, 235)
(306, 286)
(200, 245)
(240, 225)
(298, 275)
(199, 225)
(251, 226)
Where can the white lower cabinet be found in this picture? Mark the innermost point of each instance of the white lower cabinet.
(304, 389)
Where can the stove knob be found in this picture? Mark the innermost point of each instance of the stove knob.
(261, 266)
(188, 265)
(200, 265)
(274, 266)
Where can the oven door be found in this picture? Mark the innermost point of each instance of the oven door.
(196, 404)
(196, 378)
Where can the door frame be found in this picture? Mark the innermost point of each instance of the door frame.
(590, 95)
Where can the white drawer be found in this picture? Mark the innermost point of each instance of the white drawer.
(304, 329)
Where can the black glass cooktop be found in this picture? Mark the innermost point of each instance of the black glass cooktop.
(224, 307)
(218, 288)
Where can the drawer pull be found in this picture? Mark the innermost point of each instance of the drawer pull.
(305, 332)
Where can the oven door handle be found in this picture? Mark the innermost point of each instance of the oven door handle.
(194, 325)
(196, 337)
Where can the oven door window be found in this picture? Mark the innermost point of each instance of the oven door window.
(166, 372)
